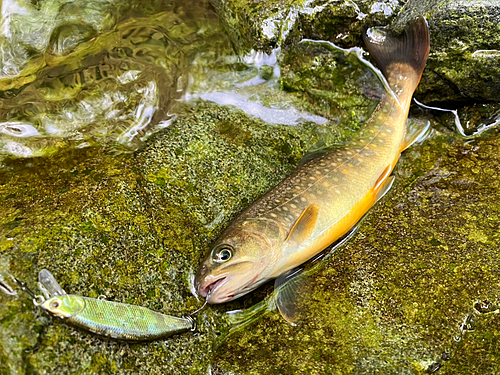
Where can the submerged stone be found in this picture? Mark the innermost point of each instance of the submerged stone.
(464, 63)
(400, 296)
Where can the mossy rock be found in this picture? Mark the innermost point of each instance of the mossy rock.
(400, 297)
(463, 67)
(132, 228)
(270, 24)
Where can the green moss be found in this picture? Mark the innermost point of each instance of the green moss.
(393, 299)
(132, 228)
(335, 83)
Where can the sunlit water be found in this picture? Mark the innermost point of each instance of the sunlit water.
(113, 76)
(112, 80)
(84, 85)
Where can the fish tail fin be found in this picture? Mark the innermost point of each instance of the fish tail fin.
(401, 58)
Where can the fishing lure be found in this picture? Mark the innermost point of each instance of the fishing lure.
(115, 320)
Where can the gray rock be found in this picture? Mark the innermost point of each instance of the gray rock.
(464, 63)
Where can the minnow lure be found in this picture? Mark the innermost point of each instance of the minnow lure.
(115, 320)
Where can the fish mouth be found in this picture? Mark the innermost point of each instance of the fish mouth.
(209, 289)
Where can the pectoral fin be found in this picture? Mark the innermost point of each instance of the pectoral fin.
(287, 286)
(415, 130)
(304, 226)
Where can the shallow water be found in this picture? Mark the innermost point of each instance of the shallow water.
(116, 86)
(97, 78)
(116, 205)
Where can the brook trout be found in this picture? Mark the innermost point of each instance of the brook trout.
(325, 198)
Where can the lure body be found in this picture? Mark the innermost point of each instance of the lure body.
(115, 320)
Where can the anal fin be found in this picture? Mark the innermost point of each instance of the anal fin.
(415, 130)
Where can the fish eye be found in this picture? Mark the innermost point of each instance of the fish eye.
(55, 304)
(223, 254)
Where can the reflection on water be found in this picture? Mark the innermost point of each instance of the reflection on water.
(84, 75)
(66, 81)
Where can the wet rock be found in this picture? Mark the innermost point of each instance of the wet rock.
(267, 25)
(335, 83)
(464, 64)
(132, 228)
(400, 296)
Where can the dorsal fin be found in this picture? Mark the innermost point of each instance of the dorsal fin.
(304, 226)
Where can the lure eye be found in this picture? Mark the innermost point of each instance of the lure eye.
(223, 254)
(55, 304)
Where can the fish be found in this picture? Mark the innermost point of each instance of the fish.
(324, 199)
(119, 321)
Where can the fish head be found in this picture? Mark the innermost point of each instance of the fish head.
(64, 306)
(236, 265)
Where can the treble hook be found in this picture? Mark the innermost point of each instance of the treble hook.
(37, 299)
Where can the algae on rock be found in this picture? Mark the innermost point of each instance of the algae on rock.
(399, 297)
(132, 228)
(463, 69)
